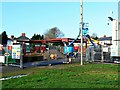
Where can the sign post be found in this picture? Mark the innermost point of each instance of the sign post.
(21, 55)
(102, 58)
(7, 54)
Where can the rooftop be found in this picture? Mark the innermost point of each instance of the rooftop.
(105, 38)
(23, 38)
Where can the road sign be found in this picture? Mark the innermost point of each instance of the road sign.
(15, 51)
(6, 54)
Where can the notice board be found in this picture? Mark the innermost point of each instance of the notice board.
(15, 51)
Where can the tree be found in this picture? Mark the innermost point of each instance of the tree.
(53, 33)
(4, 38)
(94, 36)
(42, 37)
(37, 37)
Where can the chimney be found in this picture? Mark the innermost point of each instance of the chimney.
(12, 36)
(104, 36)
(23, 34)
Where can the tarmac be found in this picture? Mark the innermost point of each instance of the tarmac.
(13, 67)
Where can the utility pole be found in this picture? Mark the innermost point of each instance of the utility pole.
(81, 25)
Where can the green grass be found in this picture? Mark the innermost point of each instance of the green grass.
(66, 76)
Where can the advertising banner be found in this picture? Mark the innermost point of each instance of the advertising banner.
(15, 51)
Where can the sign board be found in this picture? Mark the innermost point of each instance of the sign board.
(15, 51)
(2, 59)
(37, 47)
(27, 48)
(9, 47)
(105, 49)
(6, 54)
(115, 51)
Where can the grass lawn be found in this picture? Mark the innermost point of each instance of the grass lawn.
(66, 76)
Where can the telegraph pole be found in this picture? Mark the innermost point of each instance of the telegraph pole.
(81, 25)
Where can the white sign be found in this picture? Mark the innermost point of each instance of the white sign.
(105, 49)
(7, 54)
(16, 52)
(2, 59)
(115, 51)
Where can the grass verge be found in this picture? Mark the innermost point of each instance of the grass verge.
(66, 76)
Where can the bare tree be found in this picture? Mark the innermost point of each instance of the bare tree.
(94, 36)
(54, 33)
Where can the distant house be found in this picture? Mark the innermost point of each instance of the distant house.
(22, 38)
(11, 40)
(105, 40)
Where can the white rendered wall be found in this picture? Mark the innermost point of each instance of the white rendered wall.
(115, 50)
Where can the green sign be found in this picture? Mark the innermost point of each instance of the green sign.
(27, 48)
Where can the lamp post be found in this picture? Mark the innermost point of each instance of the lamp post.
(81, 25)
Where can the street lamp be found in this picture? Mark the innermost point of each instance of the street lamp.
(110, 18)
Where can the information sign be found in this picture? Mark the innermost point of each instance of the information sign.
(16, 52)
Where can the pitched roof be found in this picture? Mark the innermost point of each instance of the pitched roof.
(9, 39)
(23, 38)
(105, 38)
